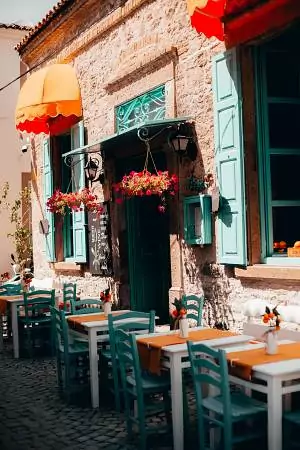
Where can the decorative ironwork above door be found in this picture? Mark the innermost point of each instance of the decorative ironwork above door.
(147, 107)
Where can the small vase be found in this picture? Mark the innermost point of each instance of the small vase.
(271, 343)
(106, 308)
(183, 327)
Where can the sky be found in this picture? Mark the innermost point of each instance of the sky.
(25, 12)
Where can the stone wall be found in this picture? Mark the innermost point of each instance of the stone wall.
(117, 57)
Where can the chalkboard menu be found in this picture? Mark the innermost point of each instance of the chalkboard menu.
(100, 258)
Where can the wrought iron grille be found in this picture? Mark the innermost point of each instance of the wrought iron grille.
(147, 107)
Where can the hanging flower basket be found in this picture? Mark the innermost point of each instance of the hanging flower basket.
(60, 203)
(139, 184)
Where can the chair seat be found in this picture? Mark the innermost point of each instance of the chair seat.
(76, 347)
(35, 320)
(151, 382)
(242, 406)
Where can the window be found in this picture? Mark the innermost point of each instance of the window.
(70, 234)
(278, 108)
(147, 107)
(277, 84)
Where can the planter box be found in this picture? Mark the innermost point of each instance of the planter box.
(293, 252)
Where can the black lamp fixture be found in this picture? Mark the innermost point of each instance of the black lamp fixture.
(93, 171)
(181, 143)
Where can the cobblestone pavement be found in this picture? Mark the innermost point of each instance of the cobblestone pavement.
(32, 415)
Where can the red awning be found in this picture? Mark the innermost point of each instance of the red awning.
(238, 21)
(206, 17)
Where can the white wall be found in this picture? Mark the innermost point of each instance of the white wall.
(12, 161)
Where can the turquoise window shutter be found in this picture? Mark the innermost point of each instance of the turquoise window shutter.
(78, 182)
(231, 232)
(48, 191)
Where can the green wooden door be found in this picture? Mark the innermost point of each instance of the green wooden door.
(148, 249)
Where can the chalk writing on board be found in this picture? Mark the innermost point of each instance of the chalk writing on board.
(100, 243)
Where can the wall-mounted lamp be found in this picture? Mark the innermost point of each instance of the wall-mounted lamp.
(183, 144)
(179, 143)
(93, 171)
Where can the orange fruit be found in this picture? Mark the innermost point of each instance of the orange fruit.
(297, 244)
(282, 244)
(276, 245)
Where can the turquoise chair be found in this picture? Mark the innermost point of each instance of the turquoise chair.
(194, 307)
(69, 295)
(136, 322)
(225, 410)
(86, 306)
(141, 388)
(72, 357)
(36, 322)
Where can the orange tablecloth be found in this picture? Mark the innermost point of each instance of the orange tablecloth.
(241, 363)
(76, 322)
(150, 347)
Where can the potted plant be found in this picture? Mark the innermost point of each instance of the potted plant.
(61, 203)
(145, 183)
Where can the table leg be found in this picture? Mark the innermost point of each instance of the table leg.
(177, 402)
(93, 355)
(274, 413)
(15, 329)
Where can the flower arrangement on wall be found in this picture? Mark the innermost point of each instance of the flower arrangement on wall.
(145, 183)
(61, 203)
(200, 185)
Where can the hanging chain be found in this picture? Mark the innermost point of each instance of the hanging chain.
(147, 143)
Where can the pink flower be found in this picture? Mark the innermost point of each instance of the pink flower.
(161, 208)
(148, 192)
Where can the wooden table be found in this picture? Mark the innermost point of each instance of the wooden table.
(15, 301)
(175, 359)
(281, 378)
(93, 330)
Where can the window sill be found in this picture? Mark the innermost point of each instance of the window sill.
(263, 271)
(65, 266)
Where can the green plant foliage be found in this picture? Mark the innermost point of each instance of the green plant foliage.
(19, 211)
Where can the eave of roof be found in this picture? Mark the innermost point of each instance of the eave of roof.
(15, 26)
(57, 10)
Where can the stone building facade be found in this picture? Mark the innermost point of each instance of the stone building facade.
(121, 50)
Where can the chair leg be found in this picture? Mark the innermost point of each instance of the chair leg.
(115, 374)
(142, 423)
(186, 416)
(127, 415)
(167, 407)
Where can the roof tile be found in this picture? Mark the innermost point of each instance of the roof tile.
(52, 13)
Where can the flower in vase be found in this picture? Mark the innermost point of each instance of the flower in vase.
(272, 319)
(105, 296)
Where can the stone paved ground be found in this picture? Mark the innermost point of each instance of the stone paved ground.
(32, 415)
